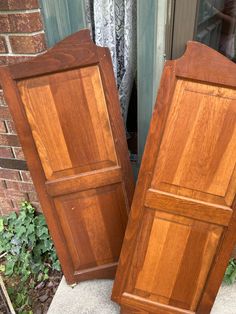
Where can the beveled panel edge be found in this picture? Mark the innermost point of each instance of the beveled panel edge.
(185, 192)
(134, 301)
(175, 204)
(107, 271)
(81, 182)
(96, 268)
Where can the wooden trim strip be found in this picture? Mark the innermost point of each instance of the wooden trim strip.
(84, 181)
(180, 205)
(138, 302)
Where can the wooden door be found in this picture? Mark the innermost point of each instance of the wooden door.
(181, 229)
(67, 114)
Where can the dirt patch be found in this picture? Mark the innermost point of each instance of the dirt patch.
(39, 295)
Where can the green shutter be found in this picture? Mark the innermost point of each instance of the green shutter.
(151, 20)
(62, 18)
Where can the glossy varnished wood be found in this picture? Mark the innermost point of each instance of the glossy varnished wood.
(181, 229)
(67, 114)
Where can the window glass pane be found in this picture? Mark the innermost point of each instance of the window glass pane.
(215, 25)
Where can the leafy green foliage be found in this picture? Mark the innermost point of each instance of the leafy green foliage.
(230, 274)
(28, 250)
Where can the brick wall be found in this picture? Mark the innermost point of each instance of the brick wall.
(21, 37)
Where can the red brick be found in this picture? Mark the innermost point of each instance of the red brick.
(10, 200)
(4, 23)
(6, 152)
(2, 99)
(2, 187)
(15, 194)
(9, 174)
(13, 59)
(10, 127)
(21, 22)
(2, 127)
(28, 44)
(18, 4)
(9, 140)
(26, 177)
(2, 191)
(3, 45)
(33, 197)
(16, 197)
(19, 186)
(5, 113)
(5, 206)
(18, 152)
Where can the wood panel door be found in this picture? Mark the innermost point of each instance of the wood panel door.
(67, 114)
(181, 229)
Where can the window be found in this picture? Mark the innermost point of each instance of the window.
(211, 22)
(215, 25)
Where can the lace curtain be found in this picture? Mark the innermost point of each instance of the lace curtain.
(113, 24)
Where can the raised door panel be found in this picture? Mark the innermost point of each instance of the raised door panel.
(87, 223)
(199, 144)
(172, 264)
(74, 134)
(67, 114)
(181, 229)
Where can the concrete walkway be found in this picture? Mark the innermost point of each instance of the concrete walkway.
(93, 297)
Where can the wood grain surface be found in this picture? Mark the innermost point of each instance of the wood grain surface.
(181, 229)
(67, 114)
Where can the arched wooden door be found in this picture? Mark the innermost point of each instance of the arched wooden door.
(66, 110)
(182, 224)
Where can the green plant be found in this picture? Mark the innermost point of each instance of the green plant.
(230, 274)
(28, 250)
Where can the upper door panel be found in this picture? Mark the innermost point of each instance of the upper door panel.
(74, 134)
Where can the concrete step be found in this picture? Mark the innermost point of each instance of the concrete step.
(93, 297)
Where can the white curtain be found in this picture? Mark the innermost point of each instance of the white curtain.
(113, 24)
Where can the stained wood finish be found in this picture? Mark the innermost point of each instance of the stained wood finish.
(182, 224)
(67, 114)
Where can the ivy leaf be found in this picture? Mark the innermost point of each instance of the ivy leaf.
(1, 224)
(9, 268)
(56, 265)
(43, 232)
(233, 276)
(30, 251)
(230, 273)
(45, 277)
(30, 228)
(229, 270)
(2, 268)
